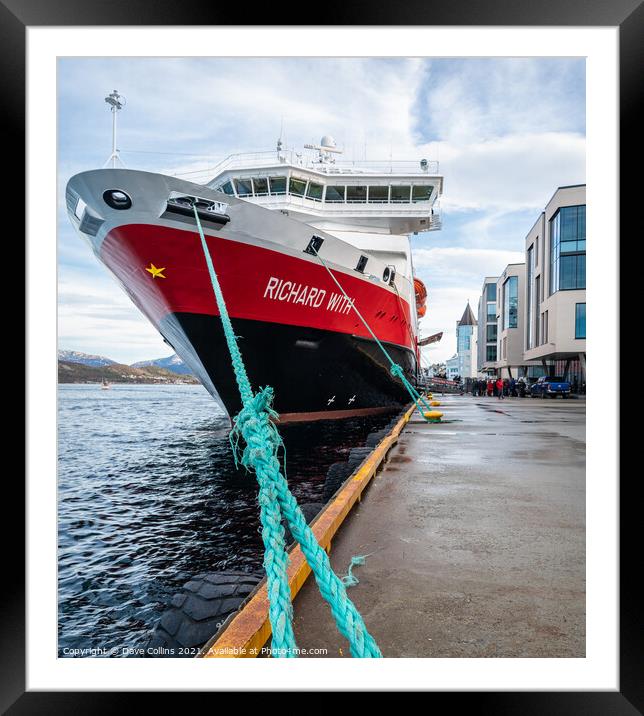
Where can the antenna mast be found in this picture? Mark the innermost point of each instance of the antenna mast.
(116, 102)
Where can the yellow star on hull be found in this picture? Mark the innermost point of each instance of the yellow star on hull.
(156, 272)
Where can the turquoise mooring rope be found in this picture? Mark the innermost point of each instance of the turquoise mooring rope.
(255, 425)
(396, 369)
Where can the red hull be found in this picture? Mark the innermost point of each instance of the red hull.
(259, 284)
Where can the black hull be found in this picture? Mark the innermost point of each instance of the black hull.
(314, 373)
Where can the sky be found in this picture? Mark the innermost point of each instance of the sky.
(507, 132)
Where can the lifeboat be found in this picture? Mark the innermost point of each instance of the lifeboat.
(421, 297)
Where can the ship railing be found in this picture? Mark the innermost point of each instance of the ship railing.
(305, 160)
(349, 207)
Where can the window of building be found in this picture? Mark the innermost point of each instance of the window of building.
(356, 194)
(490, 292)
(260, 185)
(491, 311)
(335, 194)
(277, 185)
(244, 187)
(545, 326)
(511, 302)
(314, 191)
(528, 296)
(378, 194)
(568, 249)
(227, 188)
(400, 194)
(297, 187)
(537, 311)
(536, 251)
(491, 333)
(580, 320)
(421, 193)
(490, 353)
(572, 271)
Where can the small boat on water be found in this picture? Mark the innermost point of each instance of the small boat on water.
(273, 222)
(105, 385)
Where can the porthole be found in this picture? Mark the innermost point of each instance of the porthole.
(117, 199)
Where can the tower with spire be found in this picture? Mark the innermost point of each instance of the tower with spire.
(466, 344)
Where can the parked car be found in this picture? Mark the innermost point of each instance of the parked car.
(551, 386)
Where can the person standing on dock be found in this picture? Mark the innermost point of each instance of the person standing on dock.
(499, 388)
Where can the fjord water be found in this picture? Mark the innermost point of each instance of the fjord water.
(148, 496)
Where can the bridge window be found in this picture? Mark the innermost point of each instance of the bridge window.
(227, 188)
(400, 194)
(261, 186)
(335, 194)
(357, 194)
(296, 186)
(378, 194)
(421, 193)
(314, 191)
(244, 187)
(277, 185)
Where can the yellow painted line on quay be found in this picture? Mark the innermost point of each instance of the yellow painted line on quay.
(250, 629)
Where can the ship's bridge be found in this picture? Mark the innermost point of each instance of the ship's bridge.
(391, 197)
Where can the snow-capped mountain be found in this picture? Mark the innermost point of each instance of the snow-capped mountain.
(84, 358)
(172, 363)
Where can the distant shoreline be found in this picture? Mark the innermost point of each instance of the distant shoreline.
(130, 382)
(80, 374)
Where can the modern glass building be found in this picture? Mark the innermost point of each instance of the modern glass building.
(510, 292)
(487, 328)
(555, 291)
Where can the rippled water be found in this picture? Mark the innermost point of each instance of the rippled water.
(148, 496)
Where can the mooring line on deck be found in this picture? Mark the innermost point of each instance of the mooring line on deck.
(255, 424)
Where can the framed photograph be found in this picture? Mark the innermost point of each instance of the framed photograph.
(317, 296)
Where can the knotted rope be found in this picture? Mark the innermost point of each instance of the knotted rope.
(256, 444)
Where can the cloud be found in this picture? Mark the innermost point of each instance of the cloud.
(95, 316)
(509, 173)
(469, 101)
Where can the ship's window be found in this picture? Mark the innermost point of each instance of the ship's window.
(296, 186)
(227, 188)
(362, 264)
(314, 191)
(261, 186)
(357, 194)
(421, 193)
(244, 187)
(378, 194)
(400, 194)
(335, 194)
(278, 185)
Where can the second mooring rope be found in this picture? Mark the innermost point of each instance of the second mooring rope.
(396, 368)
(254, 428)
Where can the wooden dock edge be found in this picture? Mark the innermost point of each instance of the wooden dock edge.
(249, 630)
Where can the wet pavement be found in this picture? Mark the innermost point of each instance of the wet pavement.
(476, 535)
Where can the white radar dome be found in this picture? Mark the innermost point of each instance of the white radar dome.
(327, 141)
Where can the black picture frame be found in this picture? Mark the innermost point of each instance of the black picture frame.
(17, 15)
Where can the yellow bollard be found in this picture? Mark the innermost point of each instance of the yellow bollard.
(434, 416)
(435, 403)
